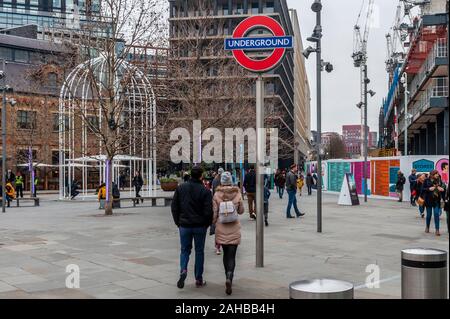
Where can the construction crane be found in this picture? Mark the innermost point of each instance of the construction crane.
(399, 33)
(360, 59)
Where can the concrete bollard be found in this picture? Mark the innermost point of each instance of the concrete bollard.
(321, 289)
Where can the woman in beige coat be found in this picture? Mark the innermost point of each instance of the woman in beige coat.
(228, 235)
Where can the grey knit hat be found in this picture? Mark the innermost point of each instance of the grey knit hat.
(220, 171)
(225, 179)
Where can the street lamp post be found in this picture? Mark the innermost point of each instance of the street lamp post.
(3, 76)
(366, 139)
(320, 65)
(4, 88)
(405, 86)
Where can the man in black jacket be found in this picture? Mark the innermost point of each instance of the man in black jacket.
(192, 213)
(250, 189)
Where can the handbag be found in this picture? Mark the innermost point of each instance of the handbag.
(420, 201)
(227, 213)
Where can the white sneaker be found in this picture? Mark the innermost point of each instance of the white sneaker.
(218, 252)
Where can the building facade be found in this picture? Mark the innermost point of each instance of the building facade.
(286, 87)
(352, 137)
(47, 14)
(424, 74)
(327, 137)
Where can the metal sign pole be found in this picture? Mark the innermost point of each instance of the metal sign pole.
(260, 150)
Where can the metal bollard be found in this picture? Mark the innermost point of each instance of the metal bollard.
(424, 273)
(321, 289)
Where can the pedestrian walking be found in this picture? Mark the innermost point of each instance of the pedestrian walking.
(418, 191)
(227, 206)
(291, 188)
(10, 177)
(399, 186)
(300, 183)
(122, 181)
(277, 174)
(74, 189)
(447, 205)
(192, 214)
(309, 183)
(281, 183)
(138, 182)
(10, 193)
(432, 192)
(412, 184)
(36, 184)
(266, 205)
(216, 180)
(250, 188)
(19, 184)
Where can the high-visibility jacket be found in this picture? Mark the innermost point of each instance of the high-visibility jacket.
(102, 193)
(300, 183)
(19, 181)
(10, 191)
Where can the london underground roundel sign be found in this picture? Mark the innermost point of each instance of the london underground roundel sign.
(240, 43)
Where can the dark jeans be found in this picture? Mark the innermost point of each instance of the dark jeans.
(186, 236)
(229, 257)
(280, 191)
(266, 211)
(75, 193)
(292, 201)
(309, 190)
(435, 212)
(19, 191)
(138, 189)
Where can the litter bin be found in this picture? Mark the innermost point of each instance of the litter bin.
(321, 289)
(424, 273)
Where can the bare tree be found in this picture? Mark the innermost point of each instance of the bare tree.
(336, 148)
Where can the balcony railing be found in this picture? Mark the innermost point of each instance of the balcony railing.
(439, 50)
(438, 89)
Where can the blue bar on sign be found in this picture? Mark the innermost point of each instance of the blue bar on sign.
(259, 43)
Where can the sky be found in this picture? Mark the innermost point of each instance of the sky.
(341, 88)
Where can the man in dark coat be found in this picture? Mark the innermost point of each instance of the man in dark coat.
(192, 213)
(250, 189)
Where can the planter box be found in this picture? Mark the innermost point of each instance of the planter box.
(169, 186)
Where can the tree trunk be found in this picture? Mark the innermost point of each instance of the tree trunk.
(108, 182)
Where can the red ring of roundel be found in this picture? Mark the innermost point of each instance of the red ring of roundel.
(271, 61)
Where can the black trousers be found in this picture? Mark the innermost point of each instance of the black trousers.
(309, 189)
(229, 257)
(19, 190)
(138, 189)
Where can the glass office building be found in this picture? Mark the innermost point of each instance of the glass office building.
(46, 14)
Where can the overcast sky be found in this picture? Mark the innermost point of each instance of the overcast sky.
(340, 89)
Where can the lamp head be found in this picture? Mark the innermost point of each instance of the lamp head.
(372, 93)
(316, 6)
(329, 67)
(308, 51)
(359, 105)
(12, 102)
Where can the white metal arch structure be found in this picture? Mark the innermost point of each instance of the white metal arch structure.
(78, 153)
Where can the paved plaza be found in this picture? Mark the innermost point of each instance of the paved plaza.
(134, 254)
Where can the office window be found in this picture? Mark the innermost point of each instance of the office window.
(21, 56)
(24, 154)
(93, 123)
(255, 7)
(55, 157)
(5, 53)
(269, 7)
(26, 120)
(52, 79)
